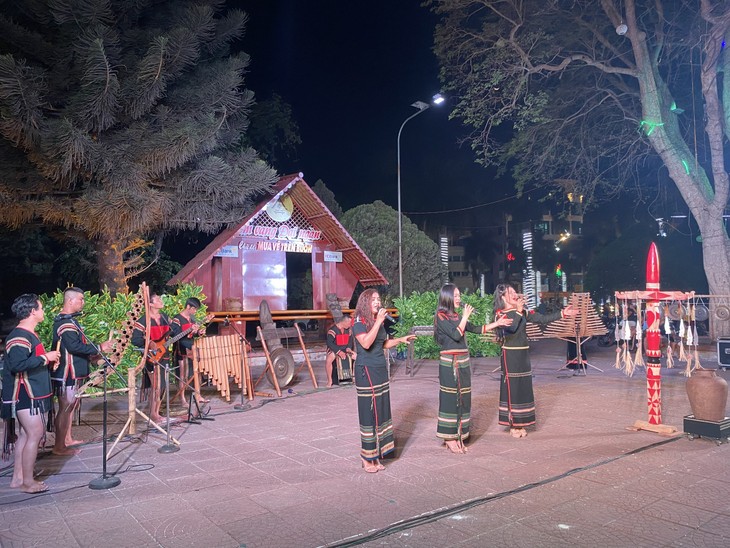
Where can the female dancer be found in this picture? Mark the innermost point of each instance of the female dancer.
(371, 380)
(516, 399)
(454, 368)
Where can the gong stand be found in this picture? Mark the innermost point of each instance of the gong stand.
(269, 365)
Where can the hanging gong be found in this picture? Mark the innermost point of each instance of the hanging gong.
(722, 312)
(675, 311)
(701, 313)
(283, 363)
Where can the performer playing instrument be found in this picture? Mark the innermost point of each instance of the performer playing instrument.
(157, 358)
(73, 368)
(450, 330)
(371, 380)
(185, 321)
(26, 391)
(516, 398)
(340, 346)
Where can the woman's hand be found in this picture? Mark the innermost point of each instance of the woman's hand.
(380, 316)
(468, 310)
(503, 321)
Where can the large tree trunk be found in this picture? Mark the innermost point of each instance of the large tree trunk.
(110, 261)
(715, 252)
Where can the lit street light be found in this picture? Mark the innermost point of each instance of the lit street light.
(421, 106)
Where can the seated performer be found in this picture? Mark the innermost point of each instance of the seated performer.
(340, 346)
(26, 391)
(73, 369)
(159, 331)
(185, 320)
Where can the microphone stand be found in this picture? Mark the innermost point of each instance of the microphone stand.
(239, 406)
(168, 447)
(104, 482)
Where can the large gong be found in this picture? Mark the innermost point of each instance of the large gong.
(283, 363)
(281, 358)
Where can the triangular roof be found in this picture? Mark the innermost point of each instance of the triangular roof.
(317, 214)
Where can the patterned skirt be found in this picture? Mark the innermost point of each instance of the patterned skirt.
(516, 398)
(373, 409)
(454, 396)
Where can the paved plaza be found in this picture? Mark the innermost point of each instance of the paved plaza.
(285, 472)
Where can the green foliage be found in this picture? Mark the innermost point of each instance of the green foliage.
(419, 309)
(104, 313)
(273, 131)
(375, 228)
(328, 198)
(121, 120)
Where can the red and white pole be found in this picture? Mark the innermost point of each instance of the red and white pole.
(653, 338)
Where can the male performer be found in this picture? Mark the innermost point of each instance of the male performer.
(159, 331)
(183, 321)
(340, 345)
(73, 369)
(26, 391)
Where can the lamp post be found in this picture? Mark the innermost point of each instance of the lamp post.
(421, 106)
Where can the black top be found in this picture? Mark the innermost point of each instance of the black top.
(373, 356)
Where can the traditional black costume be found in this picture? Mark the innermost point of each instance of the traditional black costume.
(373, 395)
(454, 417)
(516, 398)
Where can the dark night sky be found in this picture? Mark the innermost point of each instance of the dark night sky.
(351, 76)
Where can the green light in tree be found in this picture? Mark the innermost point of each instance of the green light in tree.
(686, 166)
(651, 126)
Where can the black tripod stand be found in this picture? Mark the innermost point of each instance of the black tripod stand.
(240, 406)
(105, 481)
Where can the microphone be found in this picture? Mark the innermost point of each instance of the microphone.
(68, 316)
(389, 317)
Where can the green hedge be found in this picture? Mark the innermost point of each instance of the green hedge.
(419, 309)
(103, 313)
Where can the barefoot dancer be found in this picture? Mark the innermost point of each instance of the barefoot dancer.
(26, 391)
(516, 398)
(454, 368)
(371, 380)
(73, 369)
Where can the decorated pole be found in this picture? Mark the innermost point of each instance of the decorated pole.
(653, 297)
(653, 338)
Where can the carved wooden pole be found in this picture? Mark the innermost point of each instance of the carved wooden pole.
(653, 338)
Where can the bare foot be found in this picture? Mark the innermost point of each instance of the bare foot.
(370, 467)
(329, 384)
(517, 432)
(65, 451)
(16, 482)
(454, 447)
(202, 400)
(70, 443)
(35, 487)
(379, 465)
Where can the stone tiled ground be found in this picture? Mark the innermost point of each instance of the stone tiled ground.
(286, 472)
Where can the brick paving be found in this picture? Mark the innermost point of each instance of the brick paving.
(286, 472)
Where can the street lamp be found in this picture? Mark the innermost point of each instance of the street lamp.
(421, 106)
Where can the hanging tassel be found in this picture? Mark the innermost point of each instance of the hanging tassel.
(628, 362)
(618, 358)
(670, 357)
(639, 357)
(667, 323)
(681, 327)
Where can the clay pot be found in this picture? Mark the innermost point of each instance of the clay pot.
(707, 394)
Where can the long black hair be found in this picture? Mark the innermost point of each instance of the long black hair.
(445, 305)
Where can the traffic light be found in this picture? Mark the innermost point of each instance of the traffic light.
(559, 271)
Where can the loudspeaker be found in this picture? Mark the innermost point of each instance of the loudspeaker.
(723, 353)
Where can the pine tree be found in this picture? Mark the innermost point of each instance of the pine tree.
(122, 119)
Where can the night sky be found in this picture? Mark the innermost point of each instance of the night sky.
(351, 76)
